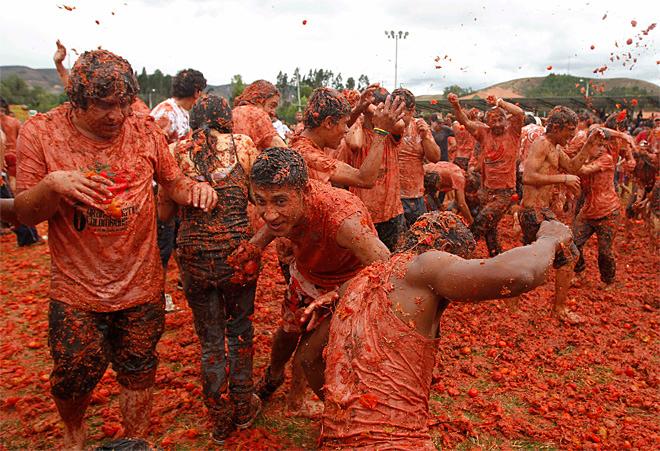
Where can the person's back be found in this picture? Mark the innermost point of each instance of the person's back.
(382, 339)
(219, 232)
(370, 401)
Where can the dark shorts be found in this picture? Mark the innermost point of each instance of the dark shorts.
(83, 343)
(530, 222)
(389, 231)
(413, 208)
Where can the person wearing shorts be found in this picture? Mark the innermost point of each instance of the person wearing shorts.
(87, 167)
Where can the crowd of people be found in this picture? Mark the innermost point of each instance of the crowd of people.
(373, 211)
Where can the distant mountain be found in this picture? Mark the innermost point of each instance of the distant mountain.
(50, 81)
(45, 78)
(528, 87)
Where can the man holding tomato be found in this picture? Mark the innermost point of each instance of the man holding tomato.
(87, 168)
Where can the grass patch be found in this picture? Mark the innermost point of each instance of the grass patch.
(301, 431)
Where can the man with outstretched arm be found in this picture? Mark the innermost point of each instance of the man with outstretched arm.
(87, 167)
(382, 342)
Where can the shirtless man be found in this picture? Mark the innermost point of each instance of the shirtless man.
(417, 146)
(86, 167)
(541, 175)
(300, 125)
(442, 177)
(332, 235)
(382, 342)
(499, 139)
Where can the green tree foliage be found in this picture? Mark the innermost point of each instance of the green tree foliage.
(560, 85)
(155, 87)
(237, 86)
(315, 78)
(17, 92)
(459, 91)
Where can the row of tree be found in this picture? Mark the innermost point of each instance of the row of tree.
(17, 92)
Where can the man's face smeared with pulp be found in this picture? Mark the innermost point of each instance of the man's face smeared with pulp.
(565, 134)
(280, 207)
(496, 121)
(104, 117)
(335, 131)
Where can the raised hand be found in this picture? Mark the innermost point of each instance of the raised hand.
(60, 53)
(387, 114)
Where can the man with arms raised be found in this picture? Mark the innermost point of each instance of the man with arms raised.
(499, 139)
(87, 167)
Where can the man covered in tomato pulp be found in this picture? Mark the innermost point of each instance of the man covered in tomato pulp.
(87, 167)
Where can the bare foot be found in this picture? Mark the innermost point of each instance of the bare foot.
(74, 438)
(565, 315)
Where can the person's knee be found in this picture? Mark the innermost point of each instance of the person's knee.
(74, 381)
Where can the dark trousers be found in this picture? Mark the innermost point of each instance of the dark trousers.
(166, 238)
(221, 310)
(605, 230)
(84, 343)
(413, 208)
(389, 231)
(494, 203)
(24, 235)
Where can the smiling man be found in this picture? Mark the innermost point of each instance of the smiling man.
(87, 167)
(332, 234)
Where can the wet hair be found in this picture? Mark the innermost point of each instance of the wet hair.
(431, 180)
(380, 96)
(208, 113)
(187, 82)
(4, 106)
(256, 93)
(439, 230)
(99, 74)
(323, 103)
(406, 95)
(560, 117)
(474, 113)
(588, 117)
(352, 96)
(279, 167)
(529, 119)
(492, 111)
(213, 112)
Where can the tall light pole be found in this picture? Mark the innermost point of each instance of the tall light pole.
(396, 36)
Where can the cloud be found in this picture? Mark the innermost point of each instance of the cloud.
(258, 38)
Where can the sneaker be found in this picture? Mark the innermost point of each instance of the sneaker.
(222, 428)
(267, 386)
(245, 415)
(169, 304)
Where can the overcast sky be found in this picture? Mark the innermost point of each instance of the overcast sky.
(488, 42)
